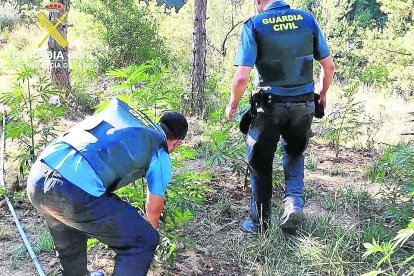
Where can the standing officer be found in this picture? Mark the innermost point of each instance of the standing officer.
(281, 43)
(73, 181)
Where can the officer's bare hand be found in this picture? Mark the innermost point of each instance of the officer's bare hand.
(230, 111)
(322, 100)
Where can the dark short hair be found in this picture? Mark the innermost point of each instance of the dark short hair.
(174, 125)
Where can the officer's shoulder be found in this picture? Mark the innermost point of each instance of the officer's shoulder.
(254, 18)
(248, 21)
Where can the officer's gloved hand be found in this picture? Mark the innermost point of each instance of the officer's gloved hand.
(319, 110)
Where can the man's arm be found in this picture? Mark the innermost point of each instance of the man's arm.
(154, 206)
(326, 77)
(158, 176)
(245, 60)
(239, 85)
(322, 54)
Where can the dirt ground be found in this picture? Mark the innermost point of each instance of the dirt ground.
(203, 241)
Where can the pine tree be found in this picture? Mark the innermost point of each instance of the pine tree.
(198, 73)
(59, 71)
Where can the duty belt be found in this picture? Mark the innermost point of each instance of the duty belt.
(271, 98)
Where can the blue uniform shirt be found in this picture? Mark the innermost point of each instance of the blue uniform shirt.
(282, 48)
(75, 168)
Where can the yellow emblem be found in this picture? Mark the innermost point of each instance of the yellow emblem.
(52, 29)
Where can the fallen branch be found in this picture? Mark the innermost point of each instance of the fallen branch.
(395, 52)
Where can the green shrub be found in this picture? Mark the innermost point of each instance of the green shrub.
(184, 192)
(364, 18)
(344, 123)
(375, 74)
(395, 257)
(134, 194)
(367, 14)
(131, 32)
(374, 230)
(225, 146)
(32, 119)
(394, 168)
(150, 86)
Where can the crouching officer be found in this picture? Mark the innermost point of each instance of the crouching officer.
(281, 43)
(73, 180)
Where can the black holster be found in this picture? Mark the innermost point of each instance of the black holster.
(248, 114)
(319, 110)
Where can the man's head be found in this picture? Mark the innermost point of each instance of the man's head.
(175, 127)
(262, 4)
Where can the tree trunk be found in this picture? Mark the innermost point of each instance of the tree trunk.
(198, 73)
(59, 62)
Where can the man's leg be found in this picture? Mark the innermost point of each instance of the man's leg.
(293, 168)
(70, 244)
(107, 218)
(117, 224)
(131, 237)
(293, 144)
(261, 146)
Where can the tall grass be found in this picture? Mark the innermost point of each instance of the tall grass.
(321, 248)
(384, 115)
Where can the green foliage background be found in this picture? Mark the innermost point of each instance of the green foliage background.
(143, 53)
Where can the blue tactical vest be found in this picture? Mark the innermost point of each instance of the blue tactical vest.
(117, 143)
(285, 47)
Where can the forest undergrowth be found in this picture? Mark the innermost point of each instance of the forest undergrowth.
(359, 179)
